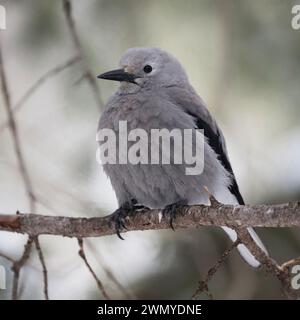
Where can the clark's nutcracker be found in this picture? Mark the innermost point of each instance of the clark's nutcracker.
(155, 93)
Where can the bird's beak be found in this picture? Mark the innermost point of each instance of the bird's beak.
(118, 75)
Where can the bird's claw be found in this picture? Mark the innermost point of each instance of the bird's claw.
(118, 217)
(170, 211)
(117, 220)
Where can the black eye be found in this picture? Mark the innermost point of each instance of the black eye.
(147, 68)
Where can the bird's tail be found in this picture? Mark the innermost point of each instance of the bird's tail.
(244, 251)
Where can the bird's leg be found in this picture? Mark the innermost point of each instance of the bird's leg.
(118, 217)
(170, 210)
(137, 206)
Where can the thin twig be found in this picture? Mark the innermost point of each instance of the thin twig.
(5, 256)
(45, 271)
(83, 256)
(15, 136)
(203, 285)
(39, 82)
(290, 263)
(17, 266)
(270, 264)
(127, 295)
(67, 7)
(22, 166)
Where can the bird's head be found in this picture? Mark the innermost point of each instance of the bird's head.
(147, 67)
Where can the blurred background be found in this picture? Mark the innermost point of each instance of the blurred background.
(242, 57)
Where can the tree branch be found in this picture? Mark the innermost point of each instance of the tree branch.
(15, 135)
(18, 265)
(109, 274)
(203, 285)
(84, 258)
(43, 264)
(238, 217)
(87, 73)
(22, 167)
(39, 82)
(235, 216)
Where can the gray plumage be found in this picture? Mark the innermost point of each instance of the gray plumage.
(163, 98)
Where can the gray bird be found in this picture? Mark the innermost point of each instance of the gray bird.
(154, 92)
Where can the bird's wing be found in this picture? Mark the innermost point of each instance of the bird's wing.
(194, 106)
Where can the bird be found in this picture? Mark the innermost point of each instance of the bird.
(155, 93)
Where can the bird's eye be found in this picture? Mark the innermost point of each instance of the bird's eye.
(147, 68)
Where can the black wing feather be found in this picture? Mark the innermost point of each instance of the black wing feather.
(216, 144)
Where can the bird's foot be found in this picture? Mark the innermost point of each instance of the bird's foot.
(117, 219)
(137, 206)
(170, 211)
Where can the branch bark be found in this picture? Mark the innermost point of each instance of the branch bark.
(235, 216)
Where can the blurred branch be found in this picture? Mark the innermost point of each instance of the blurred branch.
(282, 273)
(203, 285)
(84, 258)
(96, 254)
(43, 263)
(5, 256)
(87, 73)
(15, 135)
(10, 109)
(49, 74)
(17, 266)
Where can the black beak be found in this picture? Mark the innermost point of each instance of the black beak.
(118, 75)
